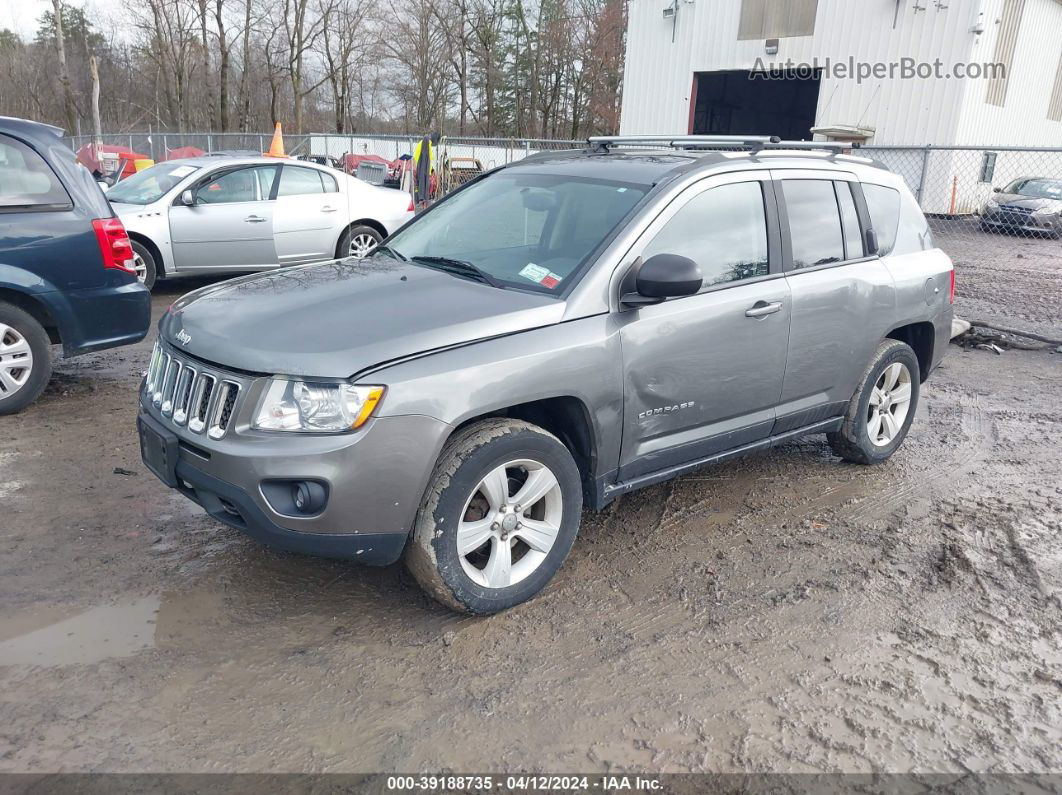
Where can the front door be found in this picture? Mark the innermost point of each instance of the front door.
(703, 374)
(311, 212)
(230, 225)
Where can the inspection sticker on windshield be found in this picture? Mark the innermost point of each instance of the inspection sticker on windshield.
(540, 275)
(182, 171)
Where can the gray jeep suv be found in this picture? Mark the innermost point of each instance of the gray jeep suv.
(558, 332)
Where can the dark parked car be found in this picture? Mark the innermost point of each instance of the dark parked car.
(66, 264)
(1032, 205)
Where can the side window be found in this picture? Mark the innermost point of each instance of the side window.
(27, 182)
(814, 222)
(723, 230)
(853, 236)
(296, 181)
(229, 187)
(884, 207)
(330, 184)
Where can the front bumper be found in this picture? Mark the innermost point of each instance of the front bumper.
(1020, 222)
(375, 479)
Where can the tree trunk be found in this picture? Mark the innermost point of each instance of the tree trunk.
(64, 75)
(223, 67)
(97, 125)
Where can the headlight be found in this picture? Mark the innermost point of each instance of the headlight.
(314, 406)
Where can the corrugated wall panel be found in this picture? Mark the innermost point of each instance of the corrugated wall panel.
(659, 73)
(1003, 55)
(1025, 118)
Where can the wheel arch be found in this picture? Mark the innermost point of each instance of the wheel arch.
(920, 337)
(152, 247)
(370, 222)
(34, 307)
(566, 417)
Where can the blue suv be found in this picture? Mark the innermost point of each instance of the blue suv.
(66, 274)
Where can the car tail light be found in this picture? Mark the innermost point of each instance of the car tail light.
(410, 208)
(115, 248)
(951, 289)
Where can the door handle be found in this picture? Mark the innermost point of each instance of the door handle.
(254, 219)
(327, 209)
(762, 309)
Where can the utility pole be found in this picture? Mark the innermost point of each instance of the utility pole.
(64, 75)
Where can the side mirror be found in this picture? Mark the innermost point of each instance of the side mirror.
(187, 198)
(664, 276)
(872, 243)
(997, 190)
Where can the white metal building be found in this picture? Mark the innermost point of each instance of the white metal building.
(690, 67)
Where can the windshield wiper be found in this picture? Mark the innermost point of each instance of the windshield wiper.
(460, 267)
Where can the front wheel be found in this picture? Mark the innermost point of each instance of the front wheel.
(883, 407)
(499, 517)
(144, 265)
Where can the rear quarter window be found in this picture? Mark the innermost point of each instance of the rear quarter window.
(27, 182)
(901, 226)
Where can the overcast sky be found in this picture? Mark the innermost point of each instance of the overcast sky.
(21, 15)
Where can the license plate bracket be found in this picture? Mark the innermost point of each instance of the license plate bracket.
(158, 450)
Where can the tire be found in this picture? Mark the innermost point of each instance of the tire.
(457, 507)
(144, 262)
(22, 341)
(354, 241)
(900, 401)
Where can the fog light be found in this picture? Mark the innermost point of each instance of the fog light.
(309, 497)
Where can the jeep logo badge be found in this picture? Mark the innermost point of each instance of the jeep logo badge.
(183, 337)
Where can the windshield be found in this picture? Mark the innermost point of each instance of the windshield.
(151, 184)
(1037, 188)
(530, 231)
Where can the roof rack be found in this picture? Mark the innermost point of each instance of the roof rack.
(601, 143)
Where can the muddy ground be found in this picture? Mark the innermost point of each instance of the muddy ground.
(788, 612)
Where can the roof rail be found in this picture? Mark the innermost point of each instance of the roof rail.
(601, 143)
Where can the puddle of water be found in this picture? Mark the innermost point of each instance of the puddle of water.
(97, 634)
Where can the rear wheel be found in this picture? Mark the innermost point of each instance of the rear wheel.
(144, 265)
(25, 359)
(359, 241)
(500, 515)
(882, 409)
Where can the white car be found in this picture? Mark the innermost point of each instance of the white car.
(216, 214)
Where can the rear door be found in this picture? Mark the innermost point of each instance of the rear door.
(311, 212)
(843, 298)
(231, 223)
(703, 373)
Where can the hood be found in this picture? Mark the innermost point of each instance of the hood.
(1028, 202)
(334, 319)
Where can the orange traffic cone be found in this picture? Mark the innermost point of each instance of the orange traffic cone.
(276, 148)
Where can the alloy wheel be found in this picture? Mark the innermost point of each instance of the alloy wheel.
(361, 245)
(140, 267)
(510, 523)
(16, 361)
(890, 401)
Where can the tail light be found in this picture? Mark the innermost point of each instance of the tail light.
(115, 248)
(951, 289)
(410, 208)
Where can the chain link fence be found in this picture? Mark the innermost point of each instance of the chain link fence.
(989, 207)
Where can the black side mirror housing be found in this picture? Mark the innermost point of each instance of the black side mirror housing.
(872, 243)
(664, 276)
(997, 190)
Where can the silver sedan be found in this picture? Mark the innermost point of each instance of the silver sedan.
(216, 214)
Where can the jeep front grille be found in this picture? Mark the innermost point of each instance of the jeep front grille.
(186, 394)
